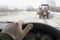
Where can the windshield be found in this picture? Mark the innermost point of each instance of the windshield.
(26, 10)
(44, 7)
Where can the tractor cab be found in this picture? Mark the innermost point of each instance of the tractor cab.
(45, 7)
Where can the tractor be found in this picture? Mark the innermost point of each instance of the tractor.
(44, 11)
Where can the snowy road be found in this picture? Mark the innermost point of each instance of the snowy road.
(33, 17)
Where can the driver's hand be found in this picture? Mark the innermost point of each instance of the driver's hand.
(15, 30)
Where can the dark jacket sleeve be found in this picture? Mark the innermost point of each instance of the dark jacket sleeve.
(4, 36)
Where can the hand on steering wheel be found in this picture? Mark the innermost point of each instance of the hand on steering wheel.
(15, 30)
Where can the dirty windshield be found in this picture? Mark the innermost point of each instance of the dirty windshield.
(30, 11)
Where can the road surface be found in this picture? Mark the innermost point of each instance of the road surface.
(33, 17)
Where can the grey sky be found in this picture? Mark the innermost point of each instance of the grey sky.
(23, 3)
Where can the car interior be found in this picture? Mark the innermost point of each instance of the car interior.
(39, 31)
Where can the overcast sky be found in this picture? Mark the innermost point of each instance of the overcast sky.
(24, 3)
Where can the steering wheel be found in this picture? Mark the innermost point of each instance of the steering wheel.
(42, 32)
